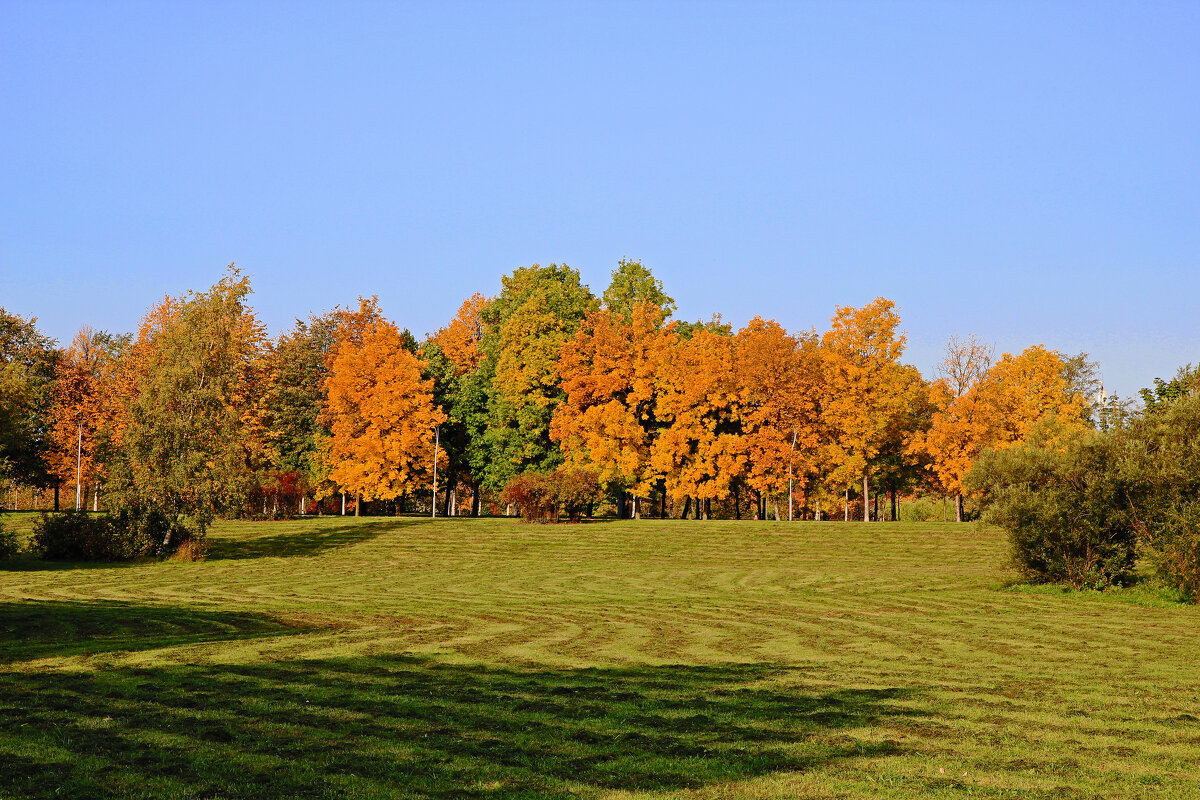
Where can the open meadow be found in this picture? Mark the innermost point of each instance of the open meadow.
(399, 657)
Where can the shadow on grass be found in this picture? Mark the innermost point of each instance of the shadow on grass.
(397, 726)
(37, 629)
(304, 541)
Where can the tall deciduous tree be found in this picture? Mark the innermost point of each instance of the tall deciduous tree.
(780, 378)
(538, 309)
(84, 404)
(27, 363)
(608, 420)
(381, 415)
(699, 452)
(866, 388)
(189, 430)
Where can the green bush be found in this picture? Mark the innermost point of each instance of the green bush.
(1163, 471)
(10, 543)
(128, 534)
(1064, 509)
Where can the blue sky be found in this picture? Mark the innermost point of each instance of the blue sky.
(1028, 172)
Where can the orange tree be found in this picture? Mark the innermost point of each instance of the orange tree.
(866, 389)
(779, 378)
(699, 451)
(997, 408)
(380, 414)
(84, 406)
(607, 420)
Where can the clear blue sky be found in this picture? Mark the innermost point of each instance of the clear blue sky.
(1025, 171)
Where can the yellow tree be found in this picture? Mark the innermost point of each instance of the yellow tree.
(995, 407)
(607, 420)
(779, 378)
(866, 388)
(380, 414)
(699, 452)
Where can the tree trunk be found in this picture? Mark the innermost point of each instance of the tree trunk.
(876, 502)
(96, 496)
(707, 509)
(895, 510)
(662, 503)
(737, 503)
(846, 515)
(476, 501)
(866, 500)
(343, 504)
(357, 503)
(687, 506)
(56, 508)
(453, 502)
(775, 505)
(958, 507)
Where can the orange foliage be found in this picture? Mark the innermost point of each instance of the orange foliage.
(998, 410)
(866, 388)
(380, 413)
(460, 339)
(779, 378)
(699, 453)
(608, 373)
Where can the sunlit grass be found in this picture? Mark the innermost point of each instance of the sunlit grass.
(487, 658)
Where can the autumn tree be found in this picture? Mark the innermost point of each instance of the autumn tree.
(459, 340)
(380, 414)
(865, 389)
(188, 430)
(538, 309)
(608, 420)
(85, 408)
(699, 451)
(779, 378)
(997, 408)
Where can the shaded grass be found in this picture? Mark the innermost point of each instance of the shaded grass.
(401, 726)
(487, 658)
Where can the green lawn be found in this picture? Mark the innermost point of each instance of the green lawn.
(488, 658)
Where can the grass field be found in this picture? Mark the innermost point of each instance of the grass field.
(381, 658)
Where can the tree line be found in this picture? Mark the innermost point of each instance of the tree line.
(200, 413)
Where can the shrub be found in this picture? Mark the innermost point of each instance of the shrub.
(541, 496)
(1162, 470)
(10, 543)
(1063, 510)
(128, 534)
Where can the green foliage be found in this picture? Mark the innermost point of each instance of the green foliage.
(130, 534)
(633, 283)
(1163, 471)
(294, 399)
(543, 496)
(538, 310)
(1184, 384)
(27, 361)
(10, 543)
(192, 437)
(1064, 510)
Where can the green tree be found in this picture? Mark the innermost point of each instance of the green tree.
(633, 283)
(189, 434)
(27, 366)
(538, 309)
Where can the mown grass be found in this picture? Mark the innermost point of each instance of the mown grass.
(382, 658)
